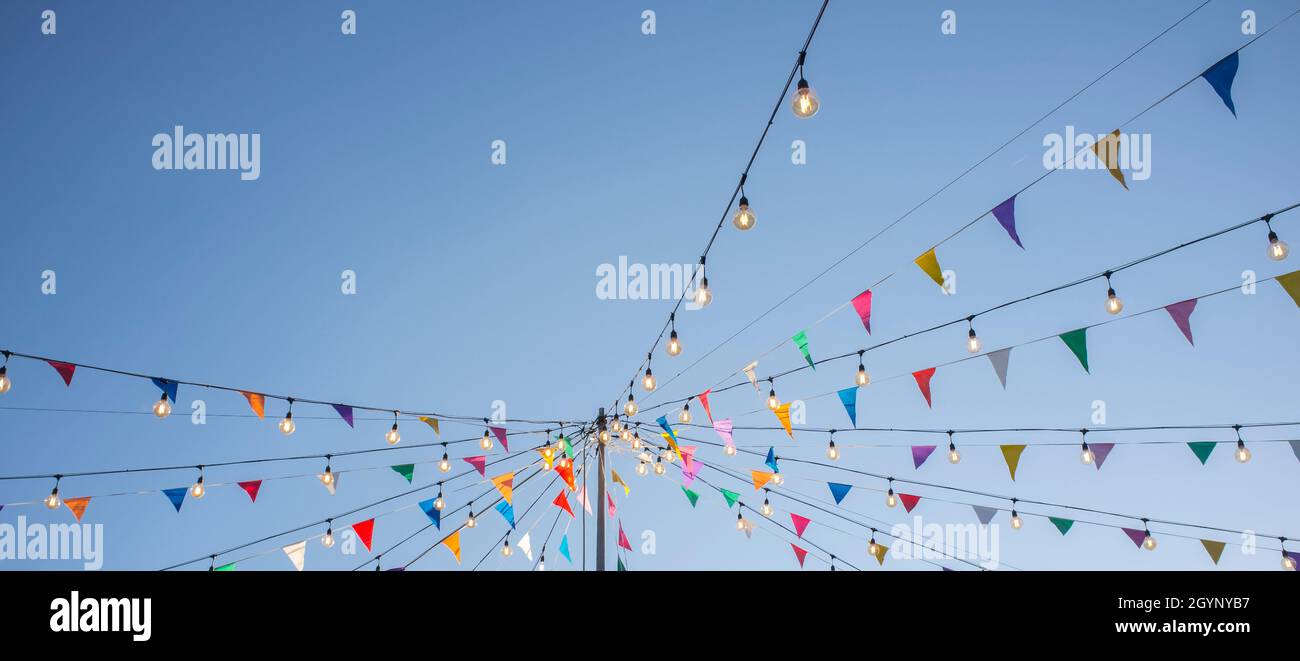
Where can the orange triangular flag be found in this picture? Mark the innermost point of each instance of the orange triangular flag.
(1215, 549)
(760, 478)
(452, 542)
(257, 402)
(566, 473)
(783, 414)
(672, 443)
(1107, 151)
(77, 505)
(505, 484)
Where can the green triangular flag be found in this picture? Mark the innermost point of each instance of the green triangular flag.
(731, 496)
(229, 567)
(1062, 524)
(801, 341)
(621, 566)
(1202, 449)
(691, 496)
(405, 470)
(568, 447)
(1077, 340)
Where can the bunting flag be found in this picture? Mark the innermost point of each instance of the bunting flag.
(564, 548)
(984, 514)
(799, 553)
(505, 483)
(1181, 313)
(229, 567)
(1295, 449)
(689, 474)
(909, 501)
(1138, 536)
(760, 478)
(730, 496)
(753, 378)
(1215, 549)
(500, 433)
(562, 501)
(344, 412)
(704, 401)
(364, 529)
(839, 491)
(507, 512)
(432, 422)
(479, 464)
(168, 387)
(783, 414)
(923, 382)
(1220, 77)
(627, 491)
(177, 496)
(1062, 525)
(771, 460)
(672, 444)
(663, 423)
(688, 457)
(929, 263)
(920, 453)
(256, 402)
(548, 457)
(452, 542)
(405, 470)
(1000, 358)
(622, 538)
(435, 516)
(1006, 215)
(862, 305)
(849, 398)
(65, 370)
(526, 546)
(1202, 449)
(297, 553)
(1077, 340)
(1099, 452)
(723, 428)
(1012, 454)
(801, 341)
(609, 498)
(800, 524)
(77, 505)
(582, 498)
(879, 553)
(1291, 283)
(1107, 151)
(691, 496)
(251, 488)
(566, 474)
(333, 485)
(621, 566)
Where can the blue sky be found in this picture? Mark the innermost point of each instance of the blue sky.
(476, 282)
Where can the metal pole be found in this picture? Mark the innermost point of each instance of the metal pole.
(600, 491)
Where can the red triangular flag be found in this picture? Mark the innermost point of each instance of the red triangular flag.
(563, 502)
(800, 523)
(923, 382)
(622, 539)
(909, 501)
(252, 488)
(364, 530)
(65, 370)
(479, 463)
(704, 401)
(799, 553)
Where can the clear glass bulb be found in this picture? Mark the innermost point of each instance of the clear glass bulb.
(1243, 453)
(470, 521)
(486, 441)
(666, 455)
(674, 345)
(625, 435)
(659, 468)
(53, 501)
(636, 441)
(685, 416)
(873, 548)
(162, 408)
(439, 503)
(740, 522)
(604, 436)
(326, 478)
(890, 499)
(616, 425)
(973, 342)
(1015, 520)
(327, 540)
(702, 294)
(730, 451)
(1149, 542)
(5, 383)
(1288, 562)
(197, 490)
(772, 401)
(805, 103)
(1087, 456)
(1277, 248)
(506, 551)
(744, 218)
(832, 452)
(777, 479)
(1114, 304)
(541, 565)
(641, 469)
(392, 436)
(862, 377)
(953, 455)
(444, 465)
(646, 456)
(648, 382)
(630, 408)
(287, 425)
(767, 508)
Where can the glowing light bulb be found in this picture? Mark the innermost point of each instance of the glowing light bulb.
(636, 441)
(5, 383)
(1015, 520)
(1087, 456)
(604, 436)
(630, 408)
(162, 408)
(392, 436)
(1149, 542)
(53, 501)
(287, 425)
(862, 377)
(506, 551)
(744, 218)
(805, 104)
(767, 508)
(772, 401)
(1277, 248)
(953, 455)
(674, 345)
(740, 522)
(666, 455)
(625, 435)
(648, 382)
(890, 499)
(730, 450)
(1114, 304)
(486, 441)
(439, 503)
(1288, 562)
(326, 478)
(444, 465)
(327, 540)
(641, 469)
(972, 342)
(873, 548)
(470, 521)
(832, 452)
(659, 467)
(1243, 453)
(646, 456)
(685, 416)
(197, 490)
(616, 426)
(541, 563)
(702, 294)
(777, 479)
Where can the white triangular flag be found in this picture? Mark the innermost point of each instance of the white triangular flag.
(1000, 358)
(332, 485)
(749, 372)
(526, 546)
(297, 553)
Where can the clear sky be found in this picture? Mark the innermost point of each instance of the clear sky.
(477, 282)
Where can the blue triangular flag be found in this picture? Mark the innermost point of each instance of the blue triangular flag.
(849, 398)
(564, 548)
(839, 491)
(663, 422)
(771, 460)
(432, 512)
(168, 387)
(507, 511)
(1220, 77)
(177, 496)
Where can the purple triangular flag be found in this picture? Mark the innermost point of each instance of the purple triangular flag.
(345, 412)
(1006, 215)
(1182, 313)
(985, 514)
(1100, 451)
(1138, 536)
(920, 453)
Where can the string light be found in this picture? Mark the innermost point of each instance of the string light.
(626, 434)
(772, 401)
(767, 505)
(862, 378)
(744, 219)
(445, 464)
(684, 416)
(740, 521)
(616, 426)
(630, 408)
(53, 501)
(636, 440)
(327, 478)
(603, 434)
(287, 425)
(730, 450)
(470, 521)
(953, 455)
(541, 562)
(439, 503)
(5, 383)
(1086, 456)
(162, 408)
(666, 455)
(872, 547)
(1243, 453)
(832, 452)
(1277, 248)
(702, 294)
(674, 347)
(197, 490)
(392, 436)
(1015, 516)
(972, 340)
(486, 441)
(1113, 303)
(659, 466)
(805, 103)
(1288, 563)
(645, 456)
(777, 479)
(648, 381)
(506, 551)
(1148, 542)
(327, 540)
(891, 500)
(641, 469)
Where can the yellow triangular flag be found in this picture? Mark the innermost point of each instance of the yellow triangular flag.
(760, 478)
(452, 542)
(548, 456)
(77, 505)
(1291, 283)
(929, 263)
(783, 414)
(257, 402)
(1215, 549)
(673, 444)
(505, 484)
(1012, 454)
(432, 422)
(881, 549)
(1110, 158)
(618, 480)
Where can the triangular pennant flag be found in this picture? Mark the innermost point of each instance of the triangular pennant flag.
(730, 496)
(1062, 525)
(77, 505)
(1220, 77)
(479, 464)
(929, 263)
(1295, 449)
(760, 478)
(1000, 358)
(923, 382)
(920, 453)
(256, 402)
(344, 412)
(405, 470)
(691, 496)
(452, 542)
(1215, 549)
(663, 422)
(799, 553)
(771, 460)
(251, 488)
(364, 529)
(333, 485)
(1099, 452)
(582, 498)
(432, 422)
(1012, 454)
(564, 548)
(435, 516)
(862, 305)
(704, 401)
(562, 501)
(505, 484)
(1138, 536)
(1077, 340)
(801, 341)
(621, 566)
(618, 480)
(839, 491)
(609, 499)
(297, 553)
(176, 495)
(1182, 313)
(566, 473)
(526, 546)
(749, 372)
(879, 553)
(800, 523)
(849, 398)
(783, 414)
(1291, 283)
(1202, 449)
(1107, 151)
(548, 456)
(229, 567)
(622, 538)
(500, 433)
(909, 501)
(65, 370)
(507, 512)
(168, 387)
(723, 428)
(984, 514)
(1006, 215)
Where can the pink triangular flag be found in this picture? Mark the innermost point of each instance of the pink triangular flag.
(723, 428)
(1182, 314)
(500, 433)
(799, 553)
(1100, 451)
(65, 370)
(923, 382)
(480, 463)
(612, 510)
(800, 523)
(582, 498)
(909, 501)
(622, 538)
(920, 453)
(1138, 536)
(862, 303)
(704, 401)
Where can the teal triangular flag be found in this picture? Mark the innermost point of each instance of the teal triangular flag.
(1061, 524)
(564, 548)
(1202, 449)
(849, 398)
(507, 512)
(731, 496)
(1077, 340)
(177, 496)
(621, 566)
(691, 496)
(801, 341)
(771, 460)
(405, 470)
